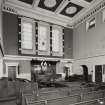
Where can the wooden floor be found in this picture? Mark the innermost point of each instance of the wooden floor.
(8, 103)
(76, 93)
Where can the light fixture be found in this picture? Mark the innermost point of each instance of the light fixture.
(50, 3)
(71, 10)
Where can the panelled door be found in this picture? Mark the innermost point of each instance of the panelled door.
(12, 72)
(98, 73)
(85, 73)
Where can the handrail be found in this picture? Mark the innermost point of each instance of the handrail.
(87, 101)
(94, 91)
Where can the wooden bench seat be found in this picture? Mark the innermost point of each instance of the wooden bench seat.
(68, 90)
(60, 96)
(51, 95)
(64, 100)
(93, 95)
(100, 101)
(30, 99)
(58, 101)
(25, 89)
(93, 102)
(39, 103)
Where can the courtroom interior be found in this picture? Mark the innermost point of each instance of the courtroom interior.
(52, 52)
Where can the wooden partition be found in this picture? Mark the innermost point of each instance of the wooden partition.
(57, 101)
(23, 89)
(67, 90)
(53, 94)
(62, 96)
(49, 95)
(7, 89)
(64, 100)
(88, 103)
(11, 88)
(100, 101)
(92, 95)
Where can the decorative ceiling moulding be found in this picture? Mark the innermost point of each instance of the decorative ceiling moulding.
(27, 1)
(54, 14)
(12, 57)
(70, 26)
(92, 12)
(69, 9)
(36, 2)
(9, 9)
(50, 5)
(67, 60)
(88, 0)
(81, 3)
(20, 3)
(61, 6)
(29, 12)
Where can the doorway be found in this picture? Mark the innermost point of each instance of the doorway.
(98, 73)
(12, 72)
(85, 73)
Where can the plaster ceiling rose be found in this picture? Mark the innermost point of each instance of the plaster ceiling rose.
(71, 10)
(50, 3)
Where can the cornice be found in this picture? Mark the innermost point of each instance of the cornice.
(36, 13)
(17, 57)
(95, 9)
(29, 58)
(9, 9)
(54, 18)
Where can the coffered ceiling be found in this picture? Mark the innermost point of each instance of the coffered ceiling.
(64, 11)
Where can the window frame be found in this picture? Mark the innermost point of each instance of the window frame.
(33, 50)
(88, 23)
(47, 51)
(60, 52)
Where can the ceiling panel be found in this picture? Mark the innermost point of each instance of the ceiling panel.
(50, 5)
(57, 11)
(27, 1)
(71, 9)
(89, 0)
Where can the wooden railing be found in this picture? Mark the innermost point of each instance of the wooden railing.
(92, 95)
(66, 100)
(26, 89)
(99, 101)
(29, 100)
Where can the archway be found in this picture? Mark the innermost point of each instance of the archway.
(85, 73)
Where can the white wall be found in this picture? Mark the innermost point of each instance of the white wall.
(1, 67)
(90, 62)
(89, 43)
(60, 68)
(89, 46)
(24, 76)
(1, 61)
(1, 42)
